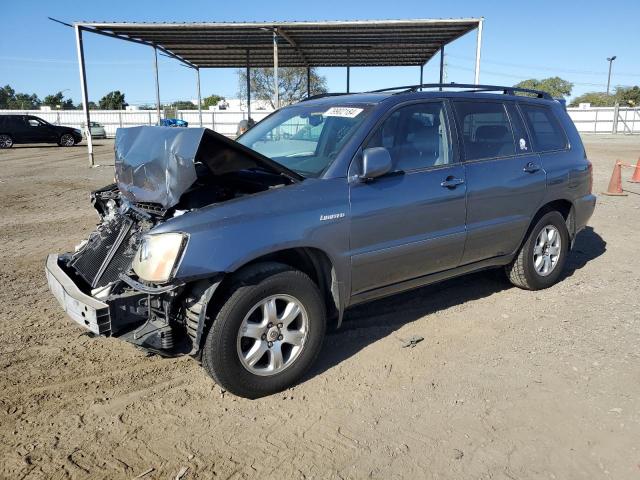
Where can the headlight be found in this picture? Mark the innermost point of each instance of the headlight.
(157, 256)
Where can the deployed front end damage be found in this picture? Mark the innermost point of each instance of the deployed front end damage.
(120, 280)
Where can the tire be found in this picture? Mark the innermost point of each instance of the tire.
(227, 354)
(67, 140)
(535, 268)
(6, 141)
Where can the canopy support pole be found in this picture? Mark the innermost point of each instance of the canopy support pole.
(85, 95)
(275, 69)
(348, 68)
(308, 81)
(421, 74)
(442, 66)
(248, 88)
(478, 51)
(155, 67)
(199, 97)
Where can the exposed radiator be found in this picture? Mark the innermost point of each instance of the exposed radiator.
(108, 252)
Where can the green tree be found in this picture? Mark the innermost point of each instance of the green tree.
(624, 96)
(7, 94)
(92, 106)
(183, 105)
(211, 101)
(58, 101)
(24, 101)
(292, 84)
(113, 101)
(9, 99)
(554, 86)
(596, 99)
(628, 96)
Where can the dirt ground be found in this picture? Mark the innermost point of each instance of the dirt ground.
(507, 383)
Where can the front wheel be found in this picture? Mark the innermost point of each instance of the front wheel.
(267, 333)
(541, 258)
(67, 140)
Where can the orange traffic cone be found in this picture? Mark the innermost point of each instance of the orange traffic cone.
(635, 178)
(615, 184)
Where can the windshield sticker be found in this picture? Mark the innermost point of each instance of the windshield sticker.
(347, 112)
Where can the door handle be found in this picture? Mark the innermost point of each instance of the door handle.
(531, 167)
(451, 182)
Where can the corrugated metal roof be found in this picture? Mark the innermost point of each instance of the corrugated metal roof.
(364, 43)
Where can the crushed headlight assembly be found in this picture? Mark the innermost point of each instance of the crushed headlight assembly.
(158, 255)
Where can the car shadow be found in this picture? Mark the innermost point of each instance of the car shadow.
(367, 323)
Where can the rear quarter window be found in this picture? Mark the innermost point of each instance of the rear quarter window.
(546, 131)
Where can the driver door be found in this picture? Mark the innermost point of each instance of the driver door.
(410, 222)
(39, 131)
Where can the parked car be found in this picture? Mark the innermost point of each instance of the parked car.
(173, 122)
(243, 253)
(30, 129)
(97, 130)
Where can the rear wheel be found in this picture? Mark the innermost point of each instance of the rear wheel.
(267, 333)
(6, 141)
(541, 258)
(67, 140)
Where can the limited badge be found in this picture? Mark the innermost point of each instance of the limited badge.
(523, 144)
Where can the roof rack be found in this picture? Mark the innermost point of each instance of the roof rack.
(469, 87)
(323, 95)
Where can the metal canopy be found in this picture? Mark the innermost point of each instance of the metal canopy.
(366, 43)
(370, 43)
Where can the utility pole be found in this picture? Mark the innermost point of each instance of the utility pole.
(610, 60)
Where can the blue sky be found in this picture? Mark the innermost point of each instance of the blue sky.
(522, 40)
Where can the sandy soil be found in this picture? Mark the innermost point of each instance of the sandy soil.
(507, 383)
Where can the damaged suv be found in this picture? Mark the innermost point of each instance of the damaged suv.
(242, 253)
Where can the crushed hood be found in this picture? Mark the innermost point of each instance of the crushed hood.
(157, 164)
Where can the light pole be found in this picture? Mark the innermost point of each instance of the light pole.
(610, 60)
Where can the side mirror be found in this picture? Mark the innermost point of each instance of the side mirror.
(376, 161)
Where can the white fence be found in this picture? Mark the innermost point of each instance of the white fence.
(587, 120)
(606, 119)
(222, 121)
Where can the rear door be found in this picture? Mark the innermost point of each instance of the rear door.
(18, 128)
(505, 179)
(566, 168)
(410, 222)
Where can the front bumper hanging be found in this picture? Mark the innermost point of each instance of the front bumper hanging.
(81, 308)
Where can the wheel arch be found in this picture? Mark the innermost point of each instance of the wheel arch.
(560, 205)
(207, 295)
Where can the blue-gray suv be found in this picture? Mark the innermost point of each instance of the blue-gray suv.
(242, 253)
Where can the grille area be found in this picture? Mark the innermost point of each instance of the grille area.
(108, 252)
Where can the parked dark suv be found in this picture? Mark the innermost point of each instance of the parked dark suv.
(242, 253)
(29, 129)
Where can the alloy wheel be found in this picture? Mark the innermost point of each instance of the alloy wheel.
(67, 140)
(272, 335)
(547, 249)
(6, 141)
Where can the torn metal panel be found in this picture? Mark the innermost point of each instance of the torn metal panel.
(156, 164)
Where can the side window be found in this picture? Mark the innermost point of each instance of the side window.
(486, 131)
(544, 127)
(523, 145)
(34, 122)
(415, 136)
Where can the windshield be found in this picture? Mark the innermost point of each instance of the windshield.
(306, 138)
